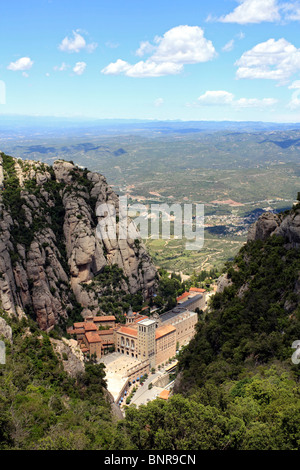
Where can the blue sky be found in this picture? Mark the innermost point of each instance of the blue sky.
(166, 59)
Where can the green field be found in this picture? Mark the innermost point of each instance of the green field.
(172, 255)
(234, 174)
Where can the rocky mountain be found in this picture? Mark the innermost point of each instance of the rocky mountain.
(286, 224)
(52, 263)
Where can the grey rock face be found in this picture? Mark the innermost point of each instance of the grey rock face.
(5, 330)
(51, 247)
(285, 225)
(290, 229)
(223, 282)
(264, 226)
(70, 355)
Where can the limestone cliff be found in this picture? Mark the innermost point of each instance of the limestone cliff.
(50, 255)
(286, 224)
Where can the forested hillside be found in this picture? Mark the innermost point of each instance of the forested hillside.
(237, 386)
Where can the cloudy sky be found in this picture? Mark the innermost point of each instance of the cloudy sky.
(166, 59)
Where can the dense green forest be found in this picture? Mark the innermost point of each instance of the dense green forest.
(41, 406)
(236, 389)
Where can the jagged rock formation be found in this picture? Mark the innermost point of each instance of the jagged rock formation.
(70, 355)
(223, 282)
(5, 330)
(264, 226)
(286, 225)
(50, 254)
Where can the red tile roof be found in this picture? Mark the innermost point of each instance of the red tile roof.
(89, 326)
(164, 330)
(182, 296)
(104, 318)
(197, 289)
(93, 337)
(128, 331)
(137, 320)
(79, 331)
(105, 332)
(164, 394)
(79, 324)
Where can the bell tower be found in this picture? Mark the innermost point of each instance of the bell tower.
(146, 341)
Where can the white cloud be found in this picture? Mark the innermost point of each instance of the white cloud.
(258, 11)
(152, 69)
(184, 45)
(116, 68)
(158, 102)
(228, 46)
(91, 47)
(255, 103)
(112, 45)
(145, 48)
(79, 68)
(179, 46)
(253, 11)
(142, 69)
(24, 63)
(292, 11)
(62, 67)
(218, 97)
(76, 44)
(295, 85)
(274, 60)
(295, 99)
(225, 98)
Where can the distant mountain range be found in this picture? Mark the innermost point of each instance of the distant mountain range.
(16, 122)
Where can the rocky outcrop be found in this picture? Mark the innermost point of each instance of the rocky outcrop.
(223, 282)
(264, 226)
(289, 229)
(5, 330)
(286, 225)
(50, 248)
(243, 289)
(70, 355)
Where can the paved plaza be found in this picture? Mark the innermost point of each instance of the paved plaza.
(116, 366)
(116, 371)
